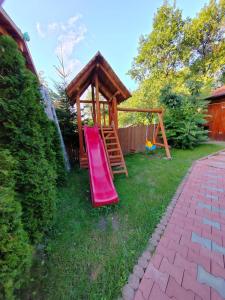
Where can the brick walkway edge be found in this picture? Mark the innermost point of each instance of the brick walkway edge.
(185, 256)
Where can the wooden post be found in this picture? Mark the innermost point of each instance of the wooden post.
(79, 125)
(93, 103)
(110, 113)
(115, 112)
(104, 114)
(98, 112)
(164, 135)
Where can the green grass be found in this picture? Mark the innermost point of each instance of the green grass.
(91, 252)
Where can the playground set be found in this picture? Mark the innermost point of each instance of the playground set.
(99, 145)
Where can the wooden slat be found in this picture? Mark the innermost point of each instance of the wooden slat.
(118, 172)
(113, 150)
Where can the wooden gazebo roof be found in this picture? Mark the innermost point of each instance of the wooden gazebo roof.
(109, 83)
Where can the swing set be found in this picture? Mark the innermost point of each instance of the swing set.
(157, 128)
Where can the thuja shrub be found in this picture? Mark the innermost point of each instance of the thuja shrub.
(184, 119)
(26, 131)
(15, 251)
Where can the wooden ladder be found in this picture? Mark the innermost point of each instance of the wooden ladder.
(113, 151)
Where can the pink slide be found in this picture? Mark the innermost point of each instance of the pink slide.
(103, 191)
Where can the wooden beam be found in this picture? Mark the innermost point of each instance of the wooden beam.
(90, 102)
(93, 102)
(112, 80)
(115, 113)
(98, 112)
(153, 110)
(164, 135)
(104, 122)
(79, 125)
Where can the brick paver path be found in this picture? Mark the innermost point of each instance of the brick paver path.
(189, 260)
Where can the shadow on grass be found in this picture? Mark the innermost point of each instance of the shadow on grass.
(90, 252)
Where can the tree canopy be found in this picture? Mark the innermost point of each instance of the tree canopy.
(178, 51)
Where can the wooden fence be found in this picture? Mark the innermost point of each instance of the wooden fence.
(132, 139)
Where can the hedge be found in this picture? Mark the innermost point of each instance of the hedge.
(31, 142)
(15, 251)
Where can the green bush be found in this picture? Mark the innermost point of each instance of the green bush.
(184, 118)
(26, 131)
(15, 251)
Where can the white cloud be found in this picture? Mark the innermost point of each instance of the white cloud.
(39, 30)
(68, 35)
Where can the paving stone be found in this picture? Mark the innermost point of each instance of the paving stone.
(211, 223)
(219, 210)
(150, 247)
(139, 296)
(212, 188)
(218, 248)
(160, 278)
(153, 242)
(138, 271)
(146, 287)
(203, 205)
(207, 243)
(157, 294)
(133, 281)
(143, 262)
(175, 290)
(146, 255)
(128, 292)
(214, 282)
(156, 236)
(188, 262)
(190, 283)
(213, 197)
(174, 271)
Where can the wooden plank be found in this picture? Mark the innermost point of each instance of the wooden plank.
(115, 113)
(93, 102)
(98, 112)
(126, 109)
(90, 102)
(79, 125)
(164, 136)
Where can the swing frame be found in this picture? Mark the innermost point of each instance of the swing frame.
(159, 127)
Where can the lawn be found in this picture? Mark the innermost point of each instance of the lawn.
(91, 252)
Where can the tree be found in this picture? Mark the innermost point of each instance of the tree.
(30, 137)
(185, 117)
(178, 51)
(204, 44)
(65, 113)
(159, 53)
(15, 250)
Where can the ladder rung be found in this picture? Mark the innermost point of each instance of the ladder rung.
(119, 172)
(111, 144)
(117, 164)
(113, 150)
(115, 156)
(108, 129)
(110, 138)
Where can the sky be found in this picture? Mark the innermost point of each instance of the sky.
(80, 28)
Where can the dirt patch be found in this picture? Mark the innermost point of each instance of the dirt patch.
(115, 222)
(102, 224)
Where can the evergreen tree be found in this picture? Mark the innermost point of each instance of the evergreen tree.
(28, 134)
(15, 251)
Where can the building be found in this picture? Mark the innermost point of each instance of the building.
(216, 111)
